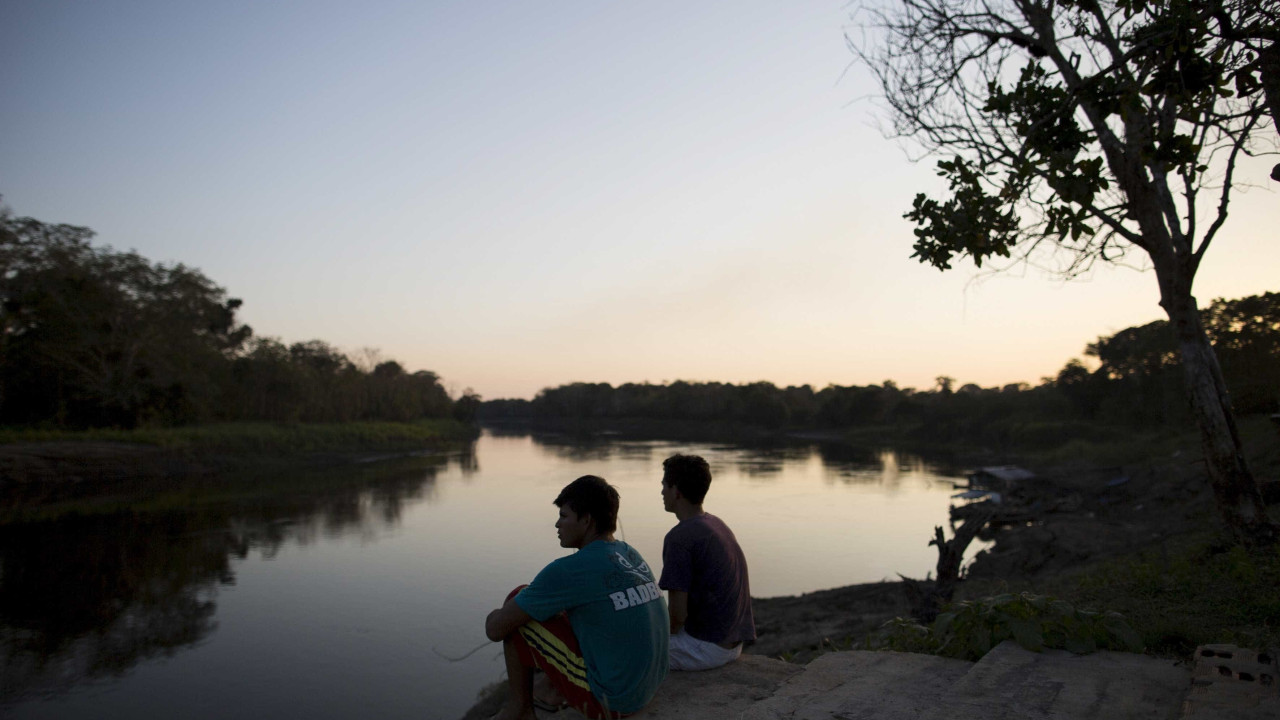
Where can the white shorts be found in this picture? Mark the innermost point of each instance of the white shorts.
(690, 653)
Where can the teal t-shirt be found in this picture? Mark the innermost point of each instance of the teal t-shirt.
(618, 615)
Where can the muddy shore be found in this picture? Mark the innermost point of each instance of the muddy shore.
(1066, 519)
(46, 478)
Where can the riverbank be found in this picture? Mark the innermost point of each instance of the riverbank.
(44, 473)
(253, 437)
(1109, 526)
(1141, 537)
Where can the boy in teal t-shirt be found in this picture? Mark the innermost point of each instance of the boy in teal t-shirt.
(594, 622)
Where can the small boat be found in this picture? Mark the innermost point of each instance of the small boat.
(991, 495)
(999, 477)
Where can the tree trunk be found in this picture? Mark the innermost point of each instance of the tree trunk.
(926, 598)
(1239, 499)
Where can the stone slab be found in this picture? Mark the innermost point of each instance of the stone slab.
(725, 692)
(1011, 683)
(862, 684)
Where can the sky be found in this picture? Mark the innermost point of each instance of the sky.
(518, 195)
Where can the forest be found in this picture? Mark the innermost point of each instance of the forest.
(1135, 381)
(94, 337)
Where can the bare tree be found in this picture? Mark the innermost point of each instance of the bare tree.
(1093, 129)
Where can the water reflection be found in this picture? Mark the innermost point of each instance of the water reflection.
(639, 452)
(92, 593)
(847, 456)
(87, 597)
(761, 462)
(91, 588)
(767, 463)
(578, 450)
(887, 469)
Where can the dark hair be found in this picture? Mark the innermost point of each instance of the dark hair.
(591, 495)
(690, 474)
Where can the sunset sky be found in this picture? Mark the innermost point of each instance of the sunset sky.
(517, 195)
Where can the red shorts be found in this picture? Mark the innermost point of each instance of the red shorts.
(552, 647)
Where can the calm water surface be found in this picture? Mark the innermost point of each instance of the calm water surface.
(358, 600)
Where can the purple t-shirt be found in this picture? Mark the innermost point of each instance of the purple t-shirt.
(701, 556)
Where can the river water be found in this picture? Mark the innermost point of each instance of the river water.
(362, 597)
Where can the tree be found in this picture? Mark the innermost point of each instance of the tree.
(1094, 128)
(1255, 24)
(92, 336)
(466, 407)
(1143, 350)
(1246, 337)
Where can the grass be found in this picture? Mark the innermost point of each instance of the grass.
(968, 630)
(1190, 591)
(1118, 446)
(1114, 447)
(249, 483)
(1199, 591)
(253, 438)
(1069, 442)
(1034, 443)
(230, 464)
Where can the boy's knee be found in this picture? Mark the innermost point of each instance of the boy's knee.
(515, 592)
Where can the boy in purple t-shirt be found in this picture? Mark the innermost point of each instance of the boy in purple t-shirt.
(704, 572)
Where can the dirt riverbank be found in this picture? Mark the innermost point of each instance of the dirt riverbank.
(43, 479)
(1066, 520)
(1071, 517)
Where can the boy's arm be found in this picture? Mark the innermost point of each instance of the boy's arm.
(678, 606)
(504, 621)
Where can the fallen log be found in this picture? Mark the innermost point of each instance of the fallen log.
(927, 597)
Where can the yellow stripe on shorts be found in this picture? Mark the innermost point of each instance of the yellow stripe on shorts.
(550, 647)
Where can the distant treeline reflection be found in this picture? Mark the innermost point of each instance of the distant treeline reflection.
(1138, 382)
(87, 595)
(764, 460)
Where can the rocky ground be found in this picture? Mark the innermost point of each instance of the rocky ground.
(1060, 522)
(1067, 518)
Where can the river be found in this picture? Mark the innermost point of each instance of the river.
(364, 597)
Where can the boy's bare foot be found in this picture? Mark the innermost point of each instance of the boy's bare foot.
(512, 711)
(546, 694)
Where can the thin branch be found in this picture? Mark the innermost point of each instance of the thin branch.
(1225, 197)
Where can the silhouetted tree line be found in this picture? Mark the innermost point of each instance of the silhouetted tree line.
(1140, 380)
(1137, 382)
(90, 336)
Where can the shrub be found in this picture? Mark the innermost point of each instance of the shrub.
(968, 630)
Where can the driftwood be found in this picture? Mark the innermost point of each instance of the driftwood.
(928, 596)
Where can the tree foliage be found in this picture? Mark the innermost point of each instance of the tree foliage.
(1096, 128)
(1246, 337)
(90, 336)
(1136, 382)
(94, 336)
